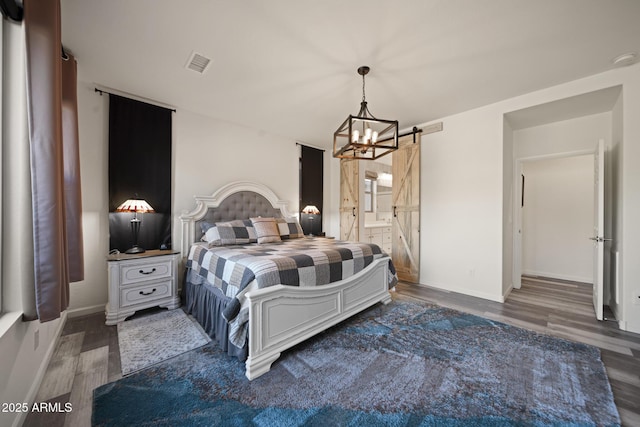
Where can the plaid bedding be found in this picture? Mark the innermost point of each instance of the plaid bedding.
(238, 269)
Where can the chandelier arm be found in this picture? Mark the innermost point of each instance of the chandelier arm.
(369, 112)
(364, 111)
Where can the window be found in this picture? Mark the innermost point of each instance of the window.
(14, 155)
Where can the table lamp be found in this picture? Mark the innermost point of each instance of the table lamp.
(136, 206)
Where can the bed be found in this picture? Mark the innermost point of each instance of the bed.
(234, 286)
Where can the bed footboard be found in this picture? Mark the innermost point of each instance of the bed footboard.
(283, 316)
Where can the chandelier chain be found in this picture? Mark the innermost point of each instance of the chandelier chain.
(363, 97)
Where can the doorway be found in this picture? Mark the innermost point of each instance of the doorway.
(557, 217)
(376, 208)
(396, 227)
(564, 127)
(556, 211)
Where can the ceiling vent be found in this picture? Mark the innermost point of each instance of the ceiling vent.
(198, 62)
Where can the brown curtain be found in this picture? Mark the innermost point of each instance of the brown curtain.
(53, 189)
(71, 154)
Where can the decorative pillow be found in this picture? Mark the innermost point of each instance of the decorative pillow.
(266, 230)
(236, 232)
(289, 228)
(204, 226)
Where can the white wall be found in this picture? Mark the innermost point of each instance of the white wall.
(461, 197)
(23, 364)
(462, 193)
(90, 295)
(558, 218)
(567, 136)
(209, 153)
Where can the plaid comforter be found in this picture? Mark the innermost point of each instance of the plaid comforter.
(236, 270)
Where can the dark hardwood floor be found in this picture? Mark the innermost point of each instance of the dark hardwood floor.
(87, 354)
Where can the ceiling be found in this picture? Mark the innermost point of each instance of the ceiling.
(288, 67)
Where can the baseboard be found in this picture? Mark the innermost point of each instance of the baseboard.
(466, 291)
(35, 386)
(557, 276)
(621, 323)
(506, 294)
(83, 311)
(630, 326)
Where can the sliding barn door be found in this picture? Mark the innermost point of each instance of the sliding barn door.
(349, 204)
(406, 208)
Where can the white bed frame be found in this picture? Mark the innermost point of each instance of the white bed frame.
(283, 316)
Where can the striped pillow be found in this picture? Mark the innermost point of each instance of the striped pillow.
(266, 230)
(289, 228)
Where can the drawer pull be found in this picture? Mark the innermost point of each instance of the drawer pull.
(148, 293)
(153, 270)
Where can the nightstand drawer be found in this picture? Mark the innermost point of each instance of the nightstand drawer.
(138, 272)
(139, 281)
(141, 294)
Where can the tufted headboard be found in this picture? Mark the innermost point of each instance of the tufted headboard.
(237, 200)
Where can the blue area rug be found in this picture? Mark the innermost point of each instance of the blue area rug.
(404, 364)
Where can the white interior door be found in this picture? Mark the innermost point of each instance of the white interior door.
(598, 231)
(516, 279)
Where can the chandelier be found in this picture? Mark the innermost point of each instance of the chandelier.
(363, 136)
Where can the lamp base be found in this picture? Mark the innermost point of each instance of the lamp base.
(135, 250)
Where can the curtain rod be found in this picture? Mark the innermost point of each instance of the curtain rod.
(411, 132)
(135, 98)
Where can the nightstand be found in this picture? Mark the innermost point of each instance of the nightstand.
(141, 281)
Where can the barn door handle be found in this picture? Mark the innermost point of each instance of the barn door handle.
(354, 211)
(395, 214)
